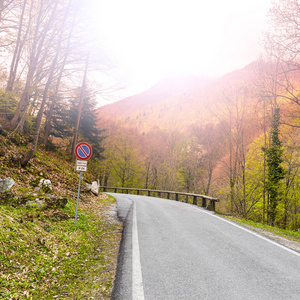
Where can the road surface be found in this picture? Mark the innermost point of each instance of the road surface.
(173, 250)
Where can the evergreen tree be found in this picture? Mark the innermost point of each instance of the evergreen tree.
(61, 122)
(275, 172)
(88, 127)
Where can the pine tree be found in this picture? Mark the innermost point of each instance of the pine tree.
(275, 172)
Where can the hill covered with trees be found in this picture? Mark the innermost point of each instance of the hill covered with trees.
(236, 137)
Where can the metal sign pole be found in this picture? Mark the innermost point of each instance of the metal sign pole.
(78, 196)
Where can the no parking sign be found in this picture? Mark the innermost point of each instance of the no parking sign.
(83, 151)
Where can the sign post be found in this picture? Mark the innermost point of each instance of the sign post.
(83, 152)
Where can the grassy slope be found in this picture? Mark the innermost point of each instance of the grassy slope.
(43, 257)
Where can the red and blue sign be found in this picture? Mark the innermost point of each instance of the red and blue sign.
(83, 151)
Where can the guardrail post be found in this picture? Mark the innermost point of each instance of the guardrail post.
(187, 199)
(204, 202)
(149, 193)
(104, 189)
(158, 194)
(213, 205)
(168, 195)
(115, 190)
(126, 191)
(137, 192)
(195, 200)
(176, 197)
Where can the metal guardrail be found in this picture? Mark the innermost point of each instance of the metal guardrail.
(210, 206)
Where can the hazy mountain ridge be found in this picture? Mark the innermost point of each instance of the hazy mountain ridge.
(174, 103)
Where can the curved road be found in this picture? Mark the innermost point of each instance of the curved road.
(172, 250)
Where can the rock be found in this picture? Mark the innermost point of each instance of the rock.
(85, 187)
(45, 185)
(42, 184)
(6, 184)
(90, 187)
(95, 188)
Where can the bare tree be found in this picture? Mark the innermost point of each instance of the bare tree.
(282, 49)
(43, 24)
(19, 45)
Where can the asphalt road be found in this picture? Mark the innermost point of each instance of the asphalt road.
(172, 250)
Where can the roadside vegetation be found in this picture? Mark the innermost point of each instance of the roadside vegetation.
(288, 234)
(43, 254)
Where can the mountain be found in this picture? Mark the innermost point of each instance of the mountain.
(174, 103)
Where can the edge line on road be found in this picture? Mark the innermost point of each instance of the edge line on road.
(255, 233)
(137, 280)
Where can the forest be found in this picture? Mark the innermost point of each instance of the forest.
(47, 53)
(235, 138)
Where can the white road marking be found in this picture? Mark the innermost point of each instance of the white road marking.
(254, 233)
(137, 280)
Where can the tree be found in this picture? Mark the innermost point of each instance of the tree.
(210, 140)
(20, 42)
(43, 35)
(283, 52)
(235, 113)
(275, 171)
(89, 128)
(122, 158)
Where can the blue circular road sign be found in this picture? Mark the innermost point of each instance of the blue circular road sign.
(83, 151)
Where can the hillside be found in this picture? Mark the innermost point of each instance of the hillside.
(175, 103)
(213, 138)
(43, 255)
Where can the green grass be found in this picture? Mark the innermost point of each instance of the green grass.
(292, 235)
(41, 258)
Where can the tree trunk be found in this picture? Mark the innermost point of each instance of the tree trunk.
(41, 111)
(55, 96)
(17, 52)
(81, 98)
(28, 157)
(48, 122)
(38, 43)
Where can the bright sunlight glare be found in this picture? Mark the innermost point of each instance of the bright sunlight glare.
(152, 39)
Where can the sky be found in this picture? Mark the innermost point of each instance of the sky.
(151, 39)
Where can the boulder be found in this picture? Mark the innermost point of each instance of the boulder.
(45, 185)
(6, 184)
(85, 187)
(42, 185)
(90, 187)
(95, 188)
